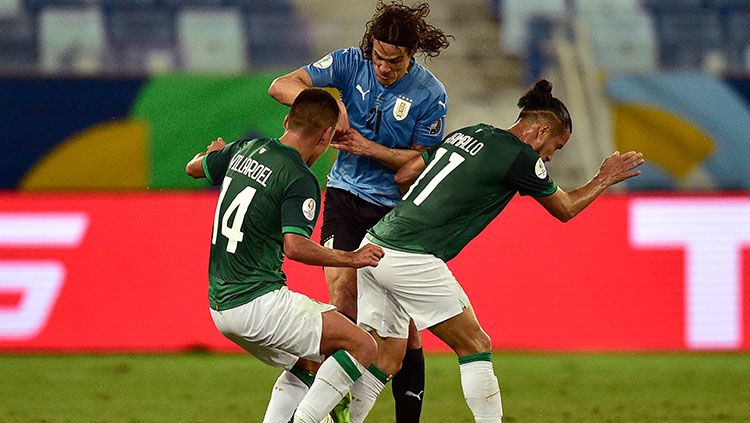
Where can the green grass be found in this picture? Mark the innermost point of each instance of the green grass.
(566, 387)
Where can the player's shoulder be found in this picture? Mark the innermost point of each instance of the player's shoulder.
(352, 55)
(426, 80)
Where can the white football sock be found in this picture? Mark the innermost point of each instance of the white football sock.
(332, 382)
(364, 393)
(481, 389)
(287, 392)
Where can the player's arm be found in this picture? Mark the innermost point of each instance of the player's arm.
(287, 87)
(302, 249)
(194, 167)
(614, 169)
(408, 173)
(353, 142)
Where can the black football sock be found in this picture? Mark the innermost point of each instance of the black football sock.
(408, 387)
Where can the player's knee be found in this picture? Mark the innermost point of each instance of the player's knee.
(364, 349)
(473, 343)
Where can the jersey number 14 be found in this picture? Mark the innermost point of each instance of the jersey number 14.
(454, 160)
(238, 207)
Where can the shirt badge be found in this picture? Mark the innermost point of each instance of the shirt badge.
(401, 108)
(308, 208)
(540, 170)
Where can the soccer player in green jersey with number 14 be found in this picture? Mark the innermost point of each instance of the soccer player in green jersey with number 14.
(461, 185)
(267, 208)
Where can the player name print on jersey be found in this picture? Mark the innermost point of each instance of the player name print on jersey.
(254, 170)
(465, 142)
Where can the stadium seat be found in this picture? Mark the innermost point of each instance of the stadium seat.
(142, 37)
(211, 40)
(687, 37)
(265, 7)
(738, 41)
(17, 43)
(623, 42)
(277, 41)
(587, 8)
(9, 8)
(71, 39)
(516, 15)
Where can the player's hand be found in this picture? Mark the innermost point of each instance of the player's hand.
(216, 145)
(343, 125)
(369, 255)
(353, 142)
(619, 167)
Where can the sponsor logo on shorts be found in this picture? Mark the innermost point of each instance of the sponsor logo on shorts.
(328, 243)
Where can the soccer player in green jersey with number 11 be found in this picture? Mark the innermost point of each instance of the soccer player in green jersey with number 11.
(461, 185)
(267, 208)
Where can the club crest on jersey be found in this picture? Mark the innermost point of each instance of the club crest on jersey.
(325, 62)
(401, 108)
(540, 170)
(308, 208)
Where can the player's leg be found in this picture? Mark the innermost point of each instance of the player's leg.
(474, 349)
(388, 322)
(343, 228)
(239, 326)
(387, 362)
(289, 389)
(425, 287)
(342, 290)
(408, 383)
(350, 350)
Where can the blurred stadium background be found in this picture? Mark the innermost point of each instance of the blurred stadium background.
(103, 239)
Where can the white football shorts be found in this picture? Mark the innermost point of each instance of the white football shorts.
(407, 285)
(277, 327)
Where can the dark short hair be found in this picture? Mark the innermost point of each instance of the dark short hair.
(538, 101)
(404, 26)
(313, 110)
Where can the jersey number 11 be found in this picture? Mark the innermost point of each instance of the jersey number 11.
(454, 160)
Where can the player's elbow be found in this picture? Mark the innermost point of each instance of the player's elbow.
(403, 182)
(273, 89)
(196, 172)
(277, 89)
(565, 216)
(292, 248)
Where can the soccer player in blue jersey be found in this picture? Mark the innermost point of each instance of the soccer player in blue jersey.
(396, 109)
(461, 185)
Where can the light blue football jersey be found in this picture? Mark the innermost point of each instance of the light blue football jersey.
(410, 111)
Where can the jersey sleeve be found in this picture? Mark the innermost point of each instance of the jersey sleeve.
(529, 176)
(334, 69)
(300, 206)
(215, 163)
(431, 125)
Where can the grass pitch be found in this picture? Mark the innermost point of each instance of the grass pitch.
(566, 387)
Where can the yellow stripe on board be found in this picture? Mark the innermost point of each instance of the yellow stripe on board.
(666, 140)
(107, 156)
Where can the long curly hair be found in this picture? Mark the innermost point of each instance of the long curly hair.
(404, 26)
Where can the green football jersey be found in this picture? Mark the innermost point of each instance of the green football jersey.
(469, 179)
(267, 190)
